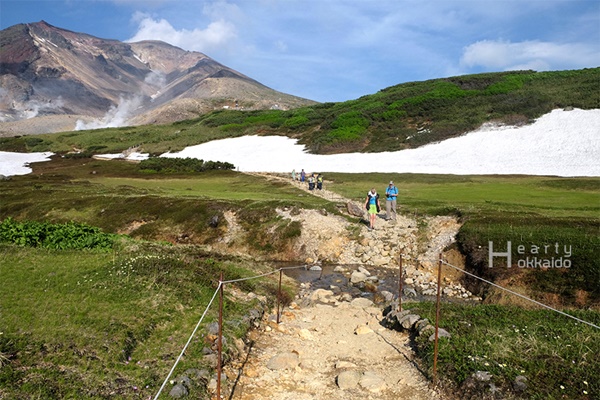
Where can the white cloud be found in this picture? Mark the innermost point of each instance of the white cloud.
(215, 36)
(342, 49)
(504, 55)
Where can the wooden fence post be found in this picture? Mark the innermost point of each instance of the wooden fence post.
(219, 340)
(437, 320)
(400, 283)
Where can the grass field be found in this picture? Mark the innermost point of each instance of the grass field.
(84, 324)
(557, 355)
(526, 210)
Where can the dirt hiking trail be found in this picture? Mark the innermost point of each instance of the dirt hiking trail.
(328, 346)
(338, 351)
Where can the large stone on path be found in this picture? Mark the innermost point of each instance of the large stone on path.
(283, 361)
(409, 320)
(357, 277)
(361, 302)
(348, 380)
(372, 382)
(355, 209)
(322, 295)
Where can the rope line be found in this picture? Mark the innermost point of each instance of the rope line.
(250, 277)
(188, 342)
(204, 314)
(522, 296)
(404, 256)
(261, 275)
(408, 257)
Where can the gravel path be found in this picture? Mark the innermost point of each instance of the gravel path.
(330, 339)
(335, 347)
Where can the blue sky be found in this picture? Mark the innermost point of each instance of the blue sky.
(337, 50)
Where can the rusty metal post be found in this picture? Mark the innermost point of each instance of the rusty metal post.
(400, 283)
(437, 320)
(279, 294)
(219, 339)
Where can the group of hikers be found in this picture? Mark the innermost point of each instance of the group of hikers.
(371, 202)
(314, 180)
(373, 207)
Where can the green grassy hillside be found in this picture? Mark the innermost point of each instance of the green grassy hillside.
(404, 116)
(105, 324)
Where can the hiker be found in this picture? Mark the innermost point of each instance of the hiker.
(372, 206)
(311, 182)
(302, 175)
(293, 174)
(391, 194)
(319, 181)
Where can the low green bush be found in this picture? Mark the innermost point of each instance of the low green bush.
(182, 165)
(55, 236)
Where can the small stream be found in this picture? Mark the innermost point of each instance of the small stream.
(339, 282)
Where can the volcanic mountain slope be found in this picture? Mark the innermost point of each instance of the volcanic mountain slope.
(47, 71)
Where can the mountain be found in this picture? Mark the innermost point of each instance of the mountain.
(52, 79)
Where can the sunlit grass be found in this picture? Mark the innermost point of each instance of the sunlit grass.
(570, 197)
(554, 352)
(116, 320)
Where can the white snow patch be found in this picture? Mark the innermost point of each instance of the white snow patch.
(134, 156)
(562, 143)
(18, 163)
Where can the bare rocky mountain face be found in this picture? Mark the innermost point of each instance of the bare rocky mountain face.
(53, 79)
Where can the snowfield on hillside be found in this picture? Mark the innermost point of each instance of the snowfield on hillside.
(561, 143)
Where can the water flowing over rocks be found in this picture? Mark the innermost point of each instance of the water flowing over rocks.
(326, 239)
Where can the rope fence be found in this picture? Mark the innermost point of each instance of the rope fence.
(188, 342)
(219, 290)
(441, 262)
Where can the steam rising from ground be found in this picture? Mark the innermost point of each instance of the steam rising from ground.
(127, 107)
(28, 109)
(115, 116)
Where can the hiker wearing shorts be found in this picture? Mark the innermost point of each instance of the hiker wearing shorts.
(372, 206)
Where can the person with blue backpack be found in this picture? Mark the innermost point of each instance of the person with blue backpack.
(391, 194)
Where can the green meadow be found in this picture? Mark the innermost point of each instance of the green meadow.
(525, 210)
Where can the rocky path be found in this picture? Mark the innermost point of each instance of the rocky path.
(328, 345)
(419, 240)
(331, 350)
